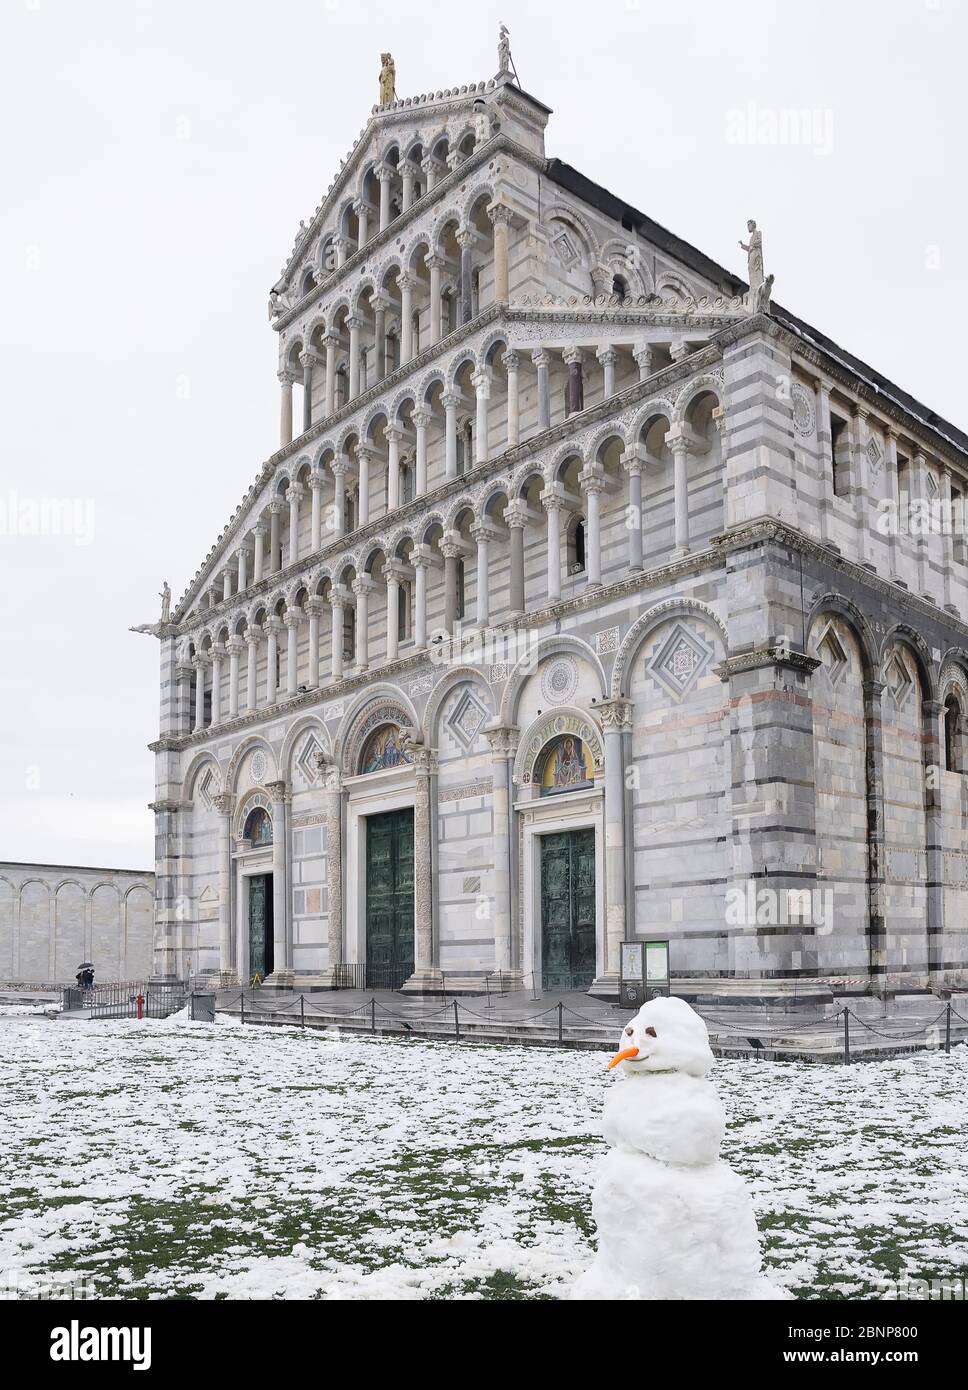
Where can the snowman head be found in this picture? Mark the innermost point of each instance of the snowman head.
(665, 1035)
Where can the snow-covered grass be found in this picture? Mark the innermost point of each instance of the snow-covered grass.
(171, 1159)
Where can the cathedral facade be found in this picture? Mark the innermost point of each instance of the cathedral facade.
(578, 606)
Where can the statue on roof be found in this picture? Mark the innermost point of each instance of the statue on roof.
(504, 51)
(388, 79)
(754, 252)
(165, 597)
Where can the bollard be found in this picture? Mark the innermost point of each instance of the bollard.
(372, 1015)
(456, 1023)
(141, 1005)
(302, 1010)
(846, 1037)
(947, 1028)
(561, 1028)
(242, 1006)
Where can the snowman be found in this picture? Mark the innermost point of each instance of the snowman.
(674, 1222)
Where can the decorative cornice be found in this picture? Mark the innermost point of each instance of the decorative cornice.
(772, 655)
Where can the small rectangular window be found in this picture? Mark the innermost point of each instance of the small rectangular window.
(840, 455)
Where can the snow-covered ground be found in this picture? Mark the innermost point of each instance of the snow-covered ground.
(170, 1158)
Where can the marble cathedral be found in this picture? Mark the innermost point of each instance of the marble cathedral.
(577, 606)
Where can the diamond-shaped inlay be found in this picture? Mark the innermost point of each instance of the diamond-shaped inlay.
(208, 788)
(899, 680)
(874, 454)
(680, 661)
(832, 655)
(306, 760)
(565, 248)
(466, 718)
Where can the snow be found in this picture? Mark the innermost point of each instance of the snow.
(170, 1158)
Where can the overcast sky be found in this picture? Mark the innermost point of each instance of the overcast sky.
(158, 156)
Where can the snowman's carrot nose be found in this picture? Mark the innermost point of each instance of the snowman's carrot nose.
(621, 1056)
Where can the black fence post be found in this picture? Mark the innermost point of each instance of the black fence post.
(947, 1028)
(372, 1015)
(241, 1005)
(846, 1036)
(456, 1022)
(561, 1023)
(302, 1010)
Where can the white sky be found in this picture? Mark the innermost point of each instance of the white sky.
(132, 258)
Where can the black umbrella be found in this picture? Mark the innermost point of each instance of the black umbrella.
(86, 965)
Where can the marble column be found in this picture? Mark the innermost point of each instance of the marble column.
(516, 523)
(259, 562)
(542, 361)
(362, 210)
(185, 674)
(242, 581)
(316, 516)
(425, 975)
(336, 603)
(293, 495)
(236, 645)
(362, 587)
(393, 612)
(421, 420)
(500, 219)
(354, 325)
(312, 610)
(483, 536)
(511, 362)
(894, 492)
(552, 504)
(616, 717)
(226, 584)
(592, 479)
(199, 665)
(678, 442)
(286, 381)
(272, 659)
(421, 564)
(331, 343)
(407, 175)
(451, 552)
(466, 240)
(450, 401)
(281, 957)
(384, 173)
(340, 467)
(334, 862)
(643, 355)
(342, 247)
(482, 390)
(292, 651)
(406, 283)
(224, 804)
(633, 461)
(576, 389)
(307, 361)
(218, 652)
(363, 456)
(393, 435)
(252, 638)
(435, 264)
(502, 750)
(275, 541)
(608, 356)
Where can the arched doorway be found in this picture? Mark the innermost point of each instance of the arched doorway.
(389, 868)
(568, 915)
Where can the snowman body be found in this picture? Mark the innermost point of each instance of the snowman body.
(674, 1221)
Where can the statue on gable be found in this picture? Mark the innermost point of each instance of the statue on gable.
(760, 301)
(504, 51)
(754, 253)
(165, 597)
(388, 79)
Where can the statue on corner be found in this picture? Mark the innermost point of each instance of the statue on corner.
(165, 597)
(754, 252)
(504, 51)
(388, 79)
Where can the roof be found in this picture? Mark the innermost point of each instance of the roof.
(633, 220)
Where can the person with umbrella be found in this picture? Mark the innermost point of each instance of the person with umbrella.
(85, 975)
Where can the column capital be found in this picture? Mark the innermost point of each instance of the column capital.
(397, 571)
(235, 645)
(224, 803)
(484, 530)
(287, 378)
(431, 165)
(363, 584)
(553, 498)
(607, 354)
(354, 323)
(635, 459)
(293, 617)
(294, 492)
(384, 172)
(682, 439)
(406, 281)
(309, 359)
(541, 357)
(466, 238)
(423, 558)
(362, 208)
(315, 478)
(331, 340)
(421, 419)
(339, 596)
(592, 478)
(276, 505)
(503, 738)
(481, 381)
(340, 465)
(314, 605)
(511, 360)
(435, 261)
(571, 355)
(394, 434)
(452, 400)
(273, 625)
(643, 354)
(516, 516)
(616, 715)
(500, 212)
(278, 792)
(365, 452)
(254, 634)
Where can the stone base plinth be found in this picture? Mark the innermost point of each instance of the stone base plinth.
(604, 987)
(424, 982)
(774, 994)
(280, 979)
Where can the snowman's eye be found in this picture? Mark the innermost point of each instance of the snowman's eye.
(628, 1032)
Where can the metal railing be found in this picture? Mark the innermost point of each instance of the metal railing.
(119, 999)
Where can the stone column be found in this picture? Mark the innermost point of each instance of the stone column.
(275, 541)
(616, 716)
(576, 388)
(340, 466)
(363, 456)
(893, 482)
(286, 380)
(592, 479)
(184, 674)
(451, 553)
(380, 306)
(542, 362)
(312, 610)
(421, 419)
(394, 435)
(334, 861)
(482, 390)
(678, 441)
(384, 173)
(252, 637)
(336, 602)
(293, 495)
(341, 245)
(516, 521)
(242, 581)
(482, 535)
(166, 963)
(407, 177)
(450, 401)
(226, 584)
(406, 283)
(393, 612)
(282, 959)
(307, 361)
(425, 976)
(431, 169)
(466, 239)
(608, 356)
(552, 504)
(511, 362)
(199, 664)
(862, 492)
(876, 856)
(235, 651)
(501, 743)
(919, 482)
(946, 539)
(218, 652)
(362, 588)
(932, 714)
(224, 804)
(316, 488)
(259, 563)
(331, 343)
(421, 564)
(633, 461)
(354, 325)
(500, 219)
(292, 651)
(362, 210)
(272, 659)
(644, 356)
(435, 264)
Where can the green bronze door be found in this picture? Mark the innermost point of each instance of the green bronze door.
(568, 910)
(389, 899)
(260, 926)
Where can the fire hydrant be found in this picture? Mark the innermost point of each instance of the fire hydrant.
(141, 1005)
